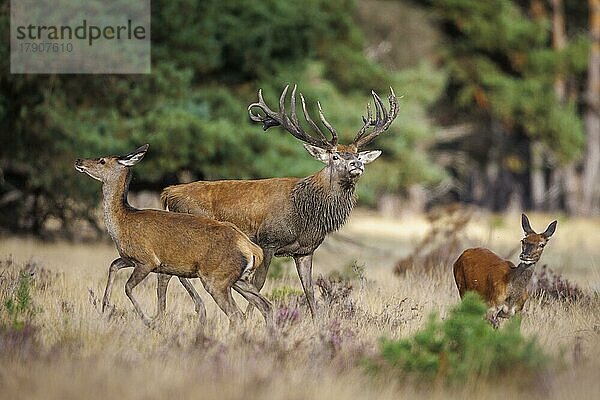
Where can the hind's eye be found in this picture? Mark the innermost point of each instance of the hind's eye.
(102, 161)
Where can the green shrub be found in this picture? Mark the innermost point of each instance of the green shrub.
(18, 307)
(277, 269)
(350, 272)
(463, 347)
(284, 294)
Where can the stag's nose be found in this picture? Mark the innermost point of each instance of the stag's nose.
(356, 164)
(79, 161)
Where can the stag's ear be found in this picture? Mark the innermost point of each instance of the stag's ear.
(134, 157)
(368, 156)
(550, 230)
(318, 153)
(526, 226)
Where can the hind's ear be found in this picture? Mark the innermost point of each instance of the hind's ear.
(550, 230)
(526, 226)
(134, 157)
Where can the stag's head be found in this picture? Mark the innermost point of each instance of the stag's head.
(106, 169)
(533, 243)
(345, 161)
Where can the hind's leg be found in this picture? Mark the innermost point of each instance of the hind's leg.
(140, 272)
(224, 300)
(161, 293)
(199, 304)
(116, 265)
(251, 294)
(260, 276)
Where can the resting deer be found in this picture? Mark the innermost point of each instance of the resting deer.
(290, 216)
(501, 284)
(187, 246)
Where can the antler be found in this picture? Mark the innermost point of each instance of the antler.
(291, 123)
(382, 121)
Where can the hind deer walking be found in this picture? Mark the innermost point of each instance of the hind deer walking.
(290, 216)
(183, 245)
(501, 284)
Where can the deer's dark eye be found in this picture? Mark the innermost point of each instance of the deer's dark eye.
(335, 158)
(102, 161)
(542, 244)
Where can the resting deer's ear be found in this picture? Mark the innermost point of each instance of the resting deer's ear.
(550, 229)
(318, 153)
(526, 226)
(134, 157)
(368, 156)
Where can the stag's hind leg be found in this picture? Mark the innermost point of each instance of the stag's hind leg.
(116, 265)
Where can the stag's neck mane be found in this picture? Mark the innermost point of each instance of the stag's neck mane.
(114, 202)
(323, 202)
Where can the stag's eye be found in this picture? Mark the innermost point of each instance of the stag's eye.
(335, 158)
(542, 244)
(102, 161)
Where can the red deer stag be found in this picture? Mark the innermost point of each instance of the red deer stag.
(187, 246)
(501, 284)
(290, 216)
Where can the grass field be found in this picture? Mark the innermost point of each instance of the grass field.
(75, 351)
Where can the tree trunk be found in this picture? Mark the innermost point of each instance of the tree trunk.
(564, 179)
(536, 174)
(537, 153)
(591, 169)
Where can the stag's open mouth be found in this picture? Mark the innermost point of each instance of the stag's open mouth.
(356, 172)
(80, 168)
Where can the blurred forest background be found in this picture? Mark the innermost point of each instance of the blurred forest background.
(501, 104)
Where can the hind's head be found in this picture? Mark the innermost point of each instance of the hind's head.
(533, 243)
(109, 168)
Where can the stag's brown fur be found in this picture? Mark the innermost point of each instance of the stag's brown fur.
(184, 245)
(499, 282)
(285, 216)
(222, 200)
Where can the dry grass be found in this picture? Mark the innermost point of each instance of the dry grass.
(80, 353)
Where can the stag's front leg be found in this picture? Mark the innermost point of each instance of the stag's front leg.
(304, 267)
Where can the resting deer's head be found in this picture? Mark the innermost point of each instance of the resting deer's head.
(346, 162)
(106, 169)
(533, 243)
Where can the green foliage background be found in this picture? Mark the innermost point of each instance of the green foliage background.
(494, 67)
(209, 58)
